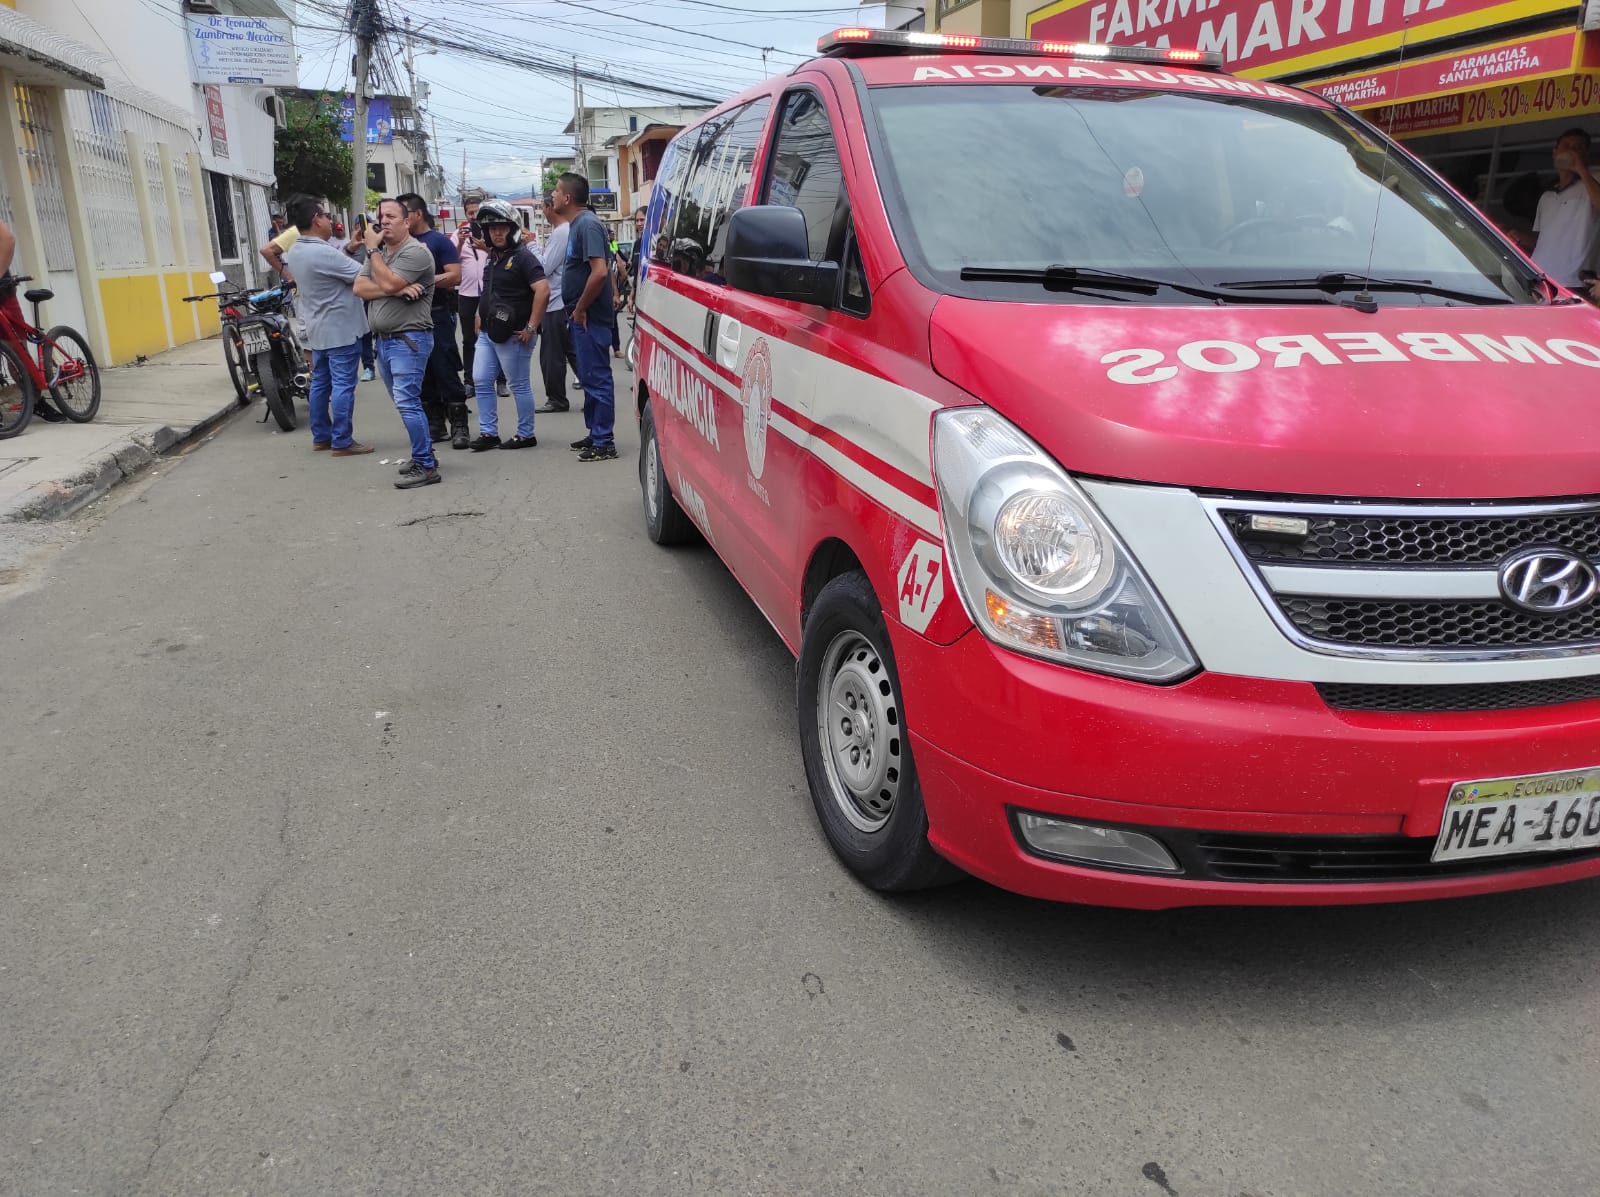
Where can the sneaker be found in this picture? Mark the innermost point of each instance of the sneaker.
(416, 474)
(484, 441)
(366, 374)
(520, 442)
(580, 446)
(503, 389)
(551, 409)
(353, 449)
(321, 446)
(599, 453)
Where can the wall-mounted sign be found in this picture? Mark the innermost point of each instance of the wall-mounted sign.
(218, 119)
(1466, 70)
(256, 50)
(1281, 37)
(603, 201)
(1560, 98)
(380, 123)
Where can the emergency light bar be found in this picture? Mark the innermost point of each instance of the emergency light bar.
(856, 42)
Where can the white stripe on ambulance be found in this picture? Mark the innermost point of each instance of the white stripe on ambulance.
(686, 389)
(888, 421)
(1135, 367)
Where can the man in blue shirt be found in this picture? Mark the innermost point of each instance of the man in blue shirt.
(591, 316)
(335, 323)
(444, 398)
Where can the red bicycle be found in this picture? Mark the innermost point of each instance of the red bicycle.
(33, 362)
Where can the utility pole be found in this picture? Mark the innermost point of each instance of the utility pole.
(364, 24)
(581, 165)
(463, 176)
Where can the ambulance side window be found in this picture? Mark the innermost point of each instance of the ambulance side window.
(854, 295)
(805, 171)
(670, 183)
(713, 184)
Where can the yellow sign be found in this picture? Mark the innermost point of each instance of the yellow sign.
(1508, 104)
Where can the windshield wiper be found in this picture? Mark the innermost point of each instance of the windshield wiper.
(1333, 282)
(1072, 278)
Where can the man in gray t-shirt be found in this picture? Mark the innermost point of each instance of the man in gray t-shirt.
(334, 323)
(398, 280)
(555, 342)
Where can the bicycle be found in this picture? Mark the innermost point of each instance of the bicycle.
(241, 368)
(35, 361)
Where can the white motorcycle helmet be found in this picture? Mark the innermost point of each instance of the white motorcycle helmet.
(496, 211)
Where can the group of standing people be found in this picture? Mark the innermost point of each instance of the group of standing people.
(400, 287)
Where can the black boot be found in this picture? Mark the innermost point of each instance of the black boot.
(460, 432)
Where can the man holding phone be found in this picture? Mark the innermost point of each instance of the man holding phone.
(356, 247)
(1568, 218)
(398, 280)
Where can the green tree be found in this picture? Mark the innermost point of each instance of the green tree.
(552, 176)
(309, 157)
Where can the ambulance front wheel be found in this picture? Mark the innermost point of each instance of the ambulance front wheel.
(664, 521)
(853, 739)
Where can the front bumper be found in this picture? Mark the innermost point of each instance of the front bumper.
(1208, 766)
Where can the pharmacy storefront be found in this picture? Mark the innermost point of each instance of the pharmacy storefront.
(1480, 89)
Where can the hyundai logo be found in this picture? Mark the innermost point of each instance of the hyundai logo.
(1548, 581)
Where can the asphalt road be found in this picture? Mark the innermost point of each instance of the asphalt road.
(357, 841)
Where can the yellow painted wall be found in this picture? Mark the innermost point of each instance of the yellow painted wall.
(987, 18)
(180, 313)
(135, 317)
(9, 3)
(210, 318)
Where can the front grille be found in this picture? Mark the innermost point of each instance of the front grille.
(1414, 623)
(1479, 539)
(1493, 696)
(1225, 856)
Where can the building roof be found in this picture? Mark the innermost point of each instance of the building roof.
(35, 53)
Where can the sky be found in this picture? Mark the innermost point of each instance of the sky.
(507, 117)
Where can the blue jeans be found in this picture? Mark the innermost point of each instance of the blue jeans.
(515, 361)
(594, 372)
(333, 380)
(402, 367)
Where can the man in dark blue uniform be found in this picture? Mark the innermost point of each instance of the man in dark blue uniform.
(444, 398)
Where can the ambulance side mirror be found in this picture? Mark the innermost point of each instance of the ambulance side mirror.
(768, 253)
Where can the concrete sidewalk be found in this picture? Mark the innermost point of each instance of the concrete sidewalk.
(52, 470)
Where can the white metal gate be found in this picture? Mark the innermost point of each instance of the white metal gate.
(39, 153)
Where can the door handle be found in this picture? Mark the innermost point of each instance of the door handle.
(728, 334)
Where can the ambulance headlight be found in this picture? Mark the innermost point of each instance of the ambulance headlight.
(1037, 567)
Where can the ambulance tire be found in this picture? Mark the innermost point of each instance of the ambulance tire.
(857, 756)
(664, 521)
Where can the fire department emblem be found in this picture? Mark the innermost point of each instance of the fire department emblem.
(755, 392)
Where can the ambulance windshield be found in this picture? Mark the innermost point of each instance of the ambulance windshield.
(1252, 196)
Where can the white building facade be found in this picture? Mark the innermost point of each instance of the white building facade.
(126, 181)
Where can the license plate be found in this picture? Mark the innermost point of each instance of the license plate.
(255, 341)
(1509, 816)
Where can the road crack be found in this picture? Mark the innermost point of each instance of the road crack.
(230, 994)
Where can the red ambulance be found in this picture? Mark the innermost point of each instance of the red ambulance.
(1172, 491)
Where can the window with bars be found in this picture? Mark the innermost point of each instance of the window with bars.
(186, 209)
(39, 155)
(106, 180)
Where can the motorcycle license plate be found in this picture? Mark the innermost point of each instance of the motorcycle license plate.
(255, 340)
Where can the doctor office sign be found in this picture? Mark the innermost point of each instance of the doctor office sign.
(253, 50)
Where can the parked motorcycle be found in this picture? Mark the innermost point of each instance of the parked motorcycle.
(261, 348)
